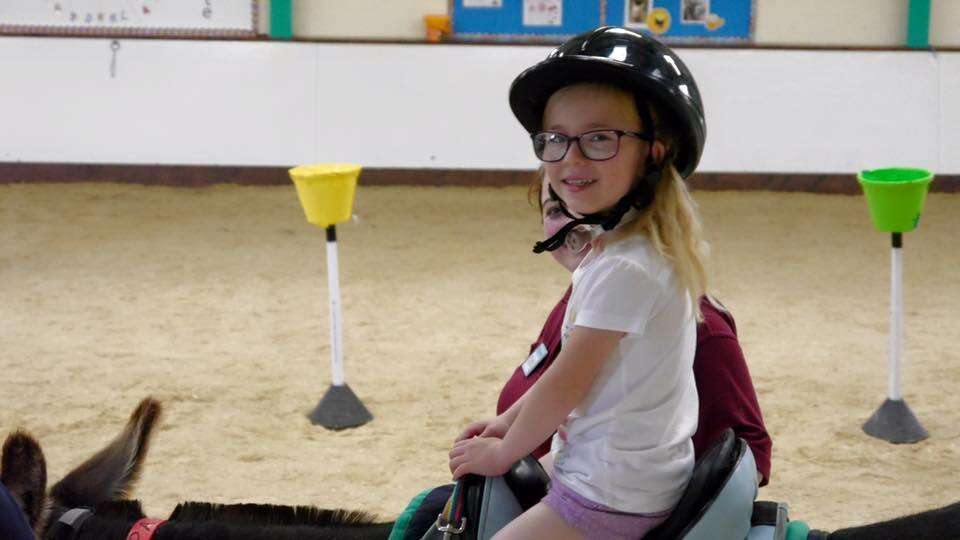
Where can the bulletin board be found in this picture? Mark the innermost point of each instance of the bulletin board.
(112, 18)
(552, 21)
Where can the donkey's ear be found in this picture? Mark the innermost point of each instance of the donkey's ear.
(111, 473)
(23, 470)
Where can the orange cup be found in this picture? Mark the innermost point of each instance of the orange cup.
(438, 27)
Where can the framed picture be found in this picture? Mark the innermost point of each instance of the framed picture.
(694, 11)
(636, 13)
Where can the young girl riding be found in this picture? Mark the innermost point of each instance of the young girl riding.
(617, 120)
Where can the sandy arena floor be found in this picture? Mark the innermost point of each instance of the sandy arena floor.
(214, 300)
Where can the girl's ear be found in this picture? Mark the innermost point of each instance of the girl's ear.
(657, 151)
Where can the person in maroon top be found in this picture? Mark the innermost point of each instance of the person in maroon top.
(727, 396)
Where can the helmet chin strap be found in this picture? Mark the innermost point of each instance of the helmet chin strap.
(639, 197)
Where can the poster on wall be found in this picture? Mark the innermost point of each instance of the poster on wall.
(181, 18)
(542, 13)
(673, 21)
(547, 21)
(678, 21)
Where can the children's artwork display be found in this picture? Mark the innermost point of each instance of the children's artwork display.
(182, 18)
(673, 21)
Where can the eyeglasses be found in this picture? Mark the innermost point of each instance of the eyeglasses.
(596, 145)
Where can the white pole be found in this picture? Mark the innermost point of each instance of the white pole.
(896, 317)
(333, 283)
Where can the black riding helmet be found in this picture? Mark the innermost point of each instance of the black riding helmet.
(634, 62)
(639, 64)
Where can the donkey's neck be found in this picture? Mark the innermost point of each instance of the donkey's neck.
(190, 521)
(117, 528)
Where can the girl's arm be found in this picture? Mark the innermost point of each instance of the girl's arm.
(509, 416)
(560, 389)
(544, 407)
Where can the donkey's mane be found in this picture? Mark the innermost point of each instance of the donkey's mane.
(269, 514)
(124, 509)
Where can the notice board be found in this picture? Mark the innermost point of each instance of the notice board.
(553, 21)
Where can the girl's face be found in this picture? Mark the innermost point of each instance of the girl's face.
(588, 186)
(553, 220)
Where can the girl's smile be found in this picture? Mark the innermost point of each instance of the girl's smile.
(576, 185)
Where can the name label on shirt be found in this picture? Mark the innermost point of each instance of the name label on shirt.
(534, 359)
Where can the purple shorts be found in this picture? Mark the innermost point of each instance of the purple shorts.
(596, 521)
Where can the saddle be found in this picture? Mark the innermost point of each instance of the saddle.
(718, 502)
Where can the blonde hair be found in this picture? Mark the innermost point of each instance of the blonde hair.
(672, 224)
(535, 189)
(672, 221)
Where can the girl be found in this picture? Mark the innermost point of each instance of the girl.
(618, 122)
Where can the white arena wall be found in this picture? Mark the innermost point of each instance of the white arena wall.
(262, 103)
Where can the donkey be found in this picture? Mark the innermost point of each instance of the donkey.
(941, 523)
(91, 501)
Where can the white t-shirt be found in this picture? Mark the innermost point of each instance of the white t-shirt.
(628, 443)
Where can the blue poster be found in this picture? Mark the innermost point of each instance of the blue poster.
(552, 21)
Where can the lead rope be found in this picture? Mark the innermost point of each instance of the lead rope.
(453, 513)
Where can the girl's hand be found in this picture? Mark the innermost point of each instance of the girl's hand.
(472, 430)
(494, 427)
(479, 455)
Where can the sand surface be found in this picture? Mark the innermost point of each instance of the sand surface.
(214, 300)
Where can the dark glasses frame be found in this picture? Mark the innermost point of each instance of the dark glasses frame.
(644, 136)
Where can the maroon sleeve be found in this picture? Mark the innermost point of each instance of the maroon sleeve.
(727, 396)
(519, 383)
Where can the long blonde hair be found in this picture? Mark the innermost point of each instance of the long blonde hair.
(672, 221)
(672, 224)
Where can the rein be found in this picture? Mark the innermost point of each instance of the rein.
(144, 529)
(452, 521)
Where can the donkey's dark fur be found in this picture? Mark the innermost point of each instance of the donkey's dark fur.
(112, 472)
(23, 470)
(935, 524)
(267, 514)
(104, 481)
(113, 520)
(109, 523)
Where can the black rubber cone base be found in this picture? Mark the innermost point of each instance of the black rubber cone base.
(340, 409)
(894, 422)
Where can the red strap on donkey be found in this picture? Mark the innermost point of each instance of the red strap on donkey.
(144, 529)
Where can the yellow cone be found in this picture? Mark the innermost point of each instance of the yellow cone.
(326, 191)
